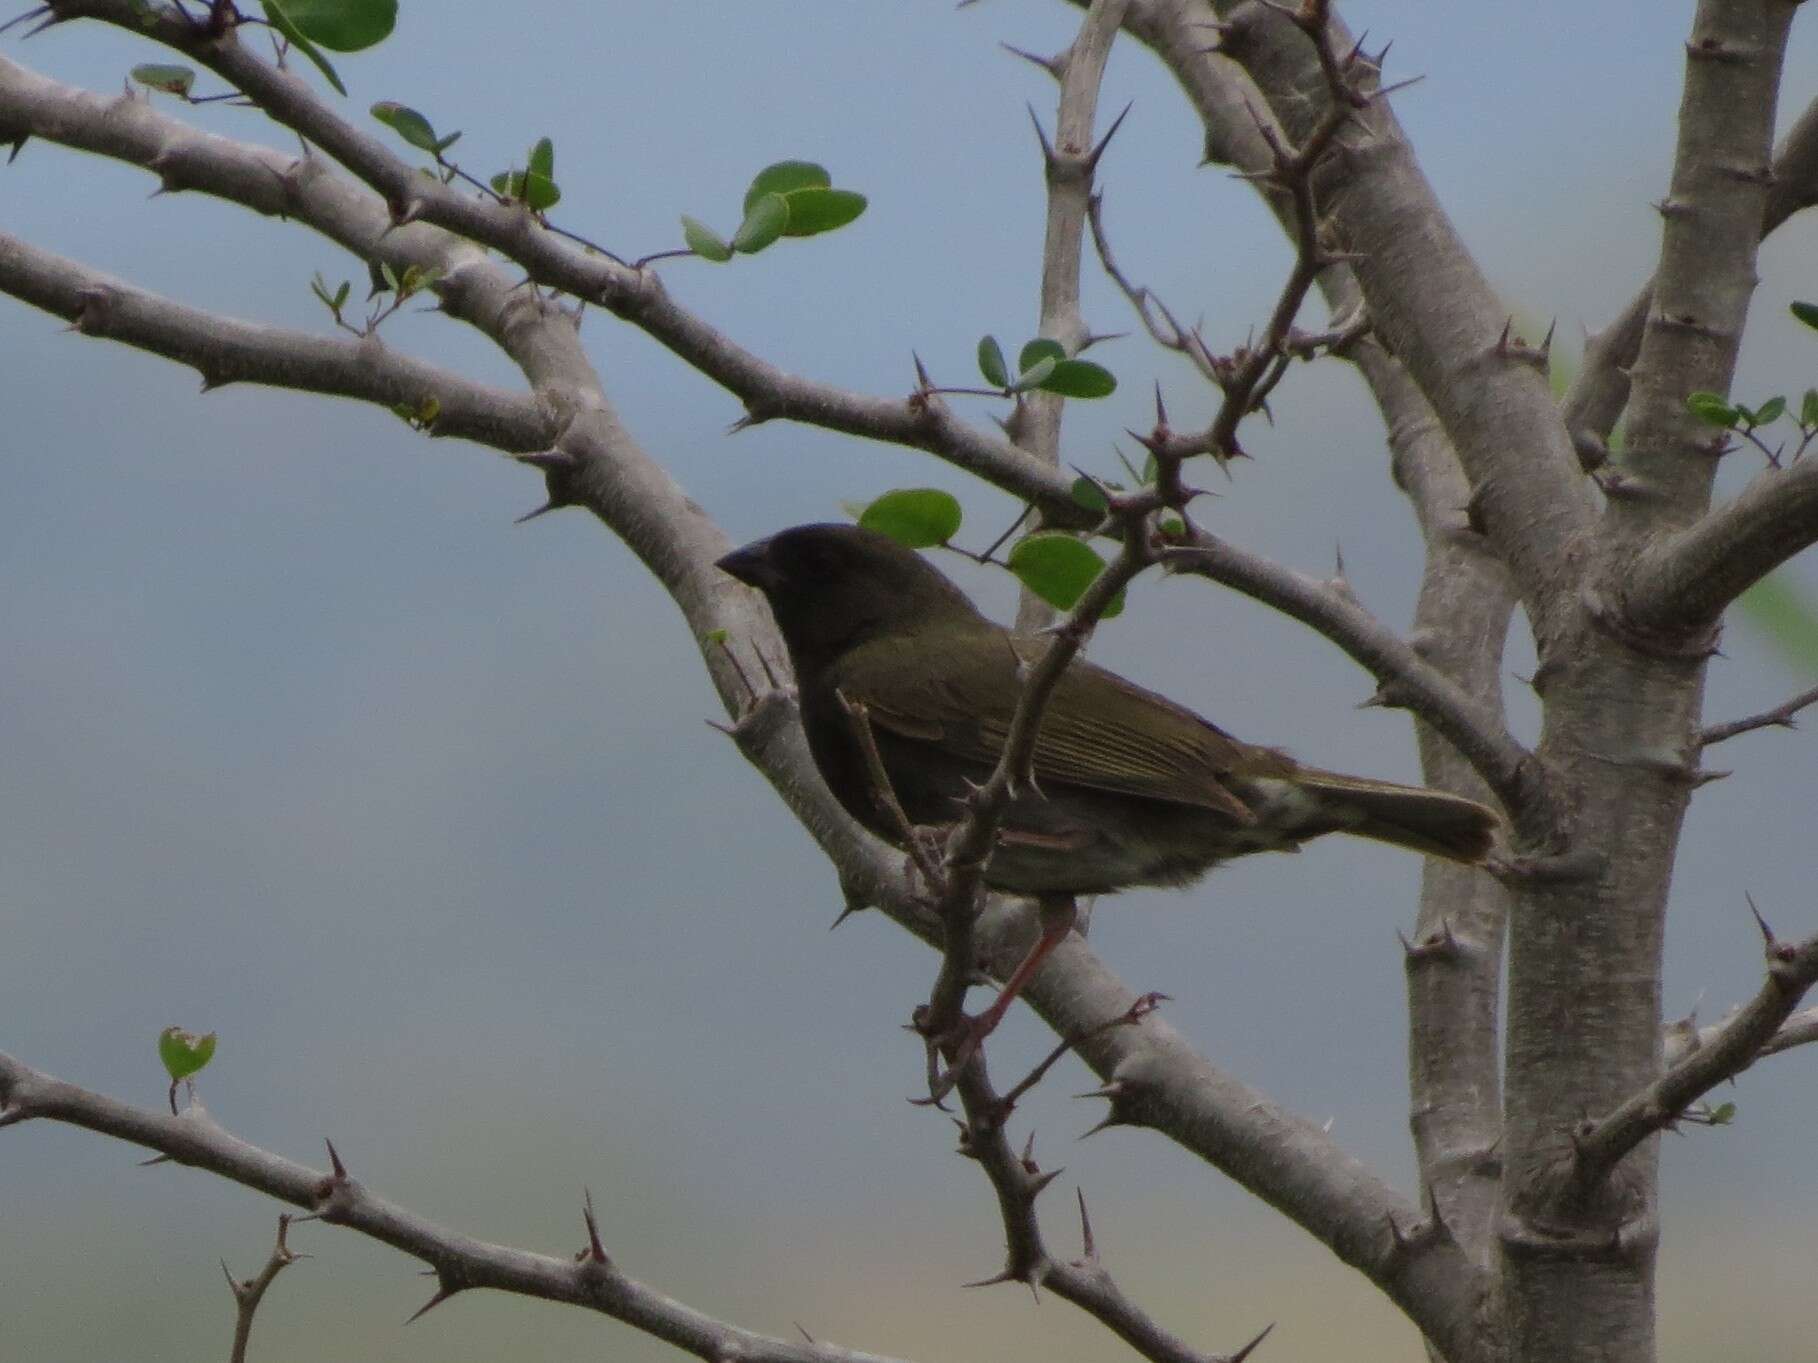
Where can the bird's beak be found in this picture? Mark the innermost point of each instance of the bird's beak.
(752, 566)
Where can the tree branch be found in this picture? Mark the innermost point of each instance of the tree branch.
(1684, 581)
(224, 350)
(249, 1292)
(1427, 299)
(1069, 164)
(1792, 969)
(1781, 716)
(1594, 402)
(459, 1261)
(1405, 679)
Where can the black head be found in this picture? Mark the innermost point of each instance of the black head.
(832, 586)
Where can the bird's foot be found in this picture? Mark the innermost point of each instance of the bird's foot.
(957, 1049)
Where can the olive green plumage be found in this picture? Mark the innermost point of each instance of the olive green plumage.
(1133, 789)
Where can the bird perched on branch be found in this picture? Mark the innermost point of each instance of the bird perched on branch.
(1131, 789)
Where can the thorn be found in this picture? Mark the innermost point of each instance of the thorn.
(1039, 1184)
(1088, 1246)
(1250, 1348)
(1113, 1090)
(442, 1295)
(845, 913)
(1767, 934)
(595, 1251)
(1029, 1152)
(1055, 66)
(804, 1334)
(1161, 410)
(1112, 1118)
(534, 512)
(1007, 1276)
(1092, 157)
(334, 1160)
(923, 382)
(1042, 137)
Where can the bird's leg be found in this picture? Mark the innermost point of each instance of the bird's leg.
(1056, 915)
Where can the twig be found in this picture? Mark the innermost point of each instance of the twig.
(1792, 969)
(249, 1292)
(1781, 716)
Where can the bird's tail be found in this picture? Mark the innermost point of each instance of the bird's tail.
(1430, 821)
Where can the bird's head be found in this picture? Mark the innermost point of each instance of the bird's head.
(832, 586)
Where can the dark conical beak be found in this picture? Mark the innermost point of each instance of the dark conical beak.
(751, 565)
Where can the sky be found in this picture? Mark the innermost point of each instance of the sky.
(306, 743)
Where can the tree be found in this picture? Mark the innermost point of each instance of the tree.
(1535, 1232)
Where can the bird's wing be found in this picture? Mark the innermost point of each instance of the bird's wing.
(1098, 731)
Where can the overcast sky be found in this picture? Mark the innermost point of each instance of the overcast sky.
(303, 741)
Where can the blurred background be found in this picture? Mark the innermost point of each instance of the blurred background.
(306, 743)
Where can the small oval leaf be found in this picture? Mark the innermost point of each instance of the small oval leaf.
(785, 177)
(1035, 375)
(170, 78)
(764, 223)
(1805, 312)
(1090, 495)
(1769, 411)
(408, 124)
(542, 159)
(704, 241)
(1711, 407)
(812, 211)
(1059, 568)
(991, 362)
(919, 517)
(184, 1053)
(1037, 350)
(343, 25)
(1080, 379)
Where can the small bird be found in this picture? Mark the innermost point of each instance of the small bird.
(1131, 789)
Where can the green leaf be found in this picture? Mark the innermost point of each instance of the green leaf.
(1035, 375)
(408, 124)
(1080, 379)
(714, 637)
(1805, 312)
(538, 192)
(277, 13)
(1059, 568)
(447, 142)
(1769, 411)
(1171, 526)
(1808, 409)
(343, 25)
(919, 517)
(785, 177)
(1036, 351)
(764, 223)
(812, 211)
(704, 241)
(184, 1053)
(542, 158)
(1711, 407)
(1090, 495)
(1723, 1114)
(172, 79)
(991, 362)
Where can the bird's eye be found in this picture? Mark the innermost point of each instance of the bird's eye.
(810, 560)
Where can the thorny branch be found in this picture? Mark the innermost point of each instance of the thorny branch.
(249, 1292)
(1250, 375)
(1781, 716)
(1792, 969)
(459, 1262)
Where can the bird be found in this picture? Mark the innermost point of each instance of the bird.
(1130, 788)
